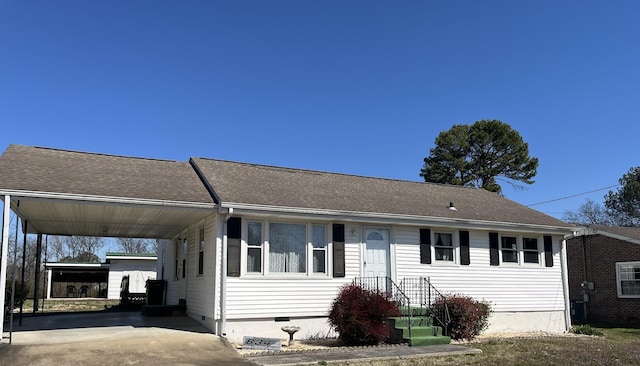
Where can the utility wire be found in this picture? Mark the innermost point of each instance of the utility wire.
(573, 195)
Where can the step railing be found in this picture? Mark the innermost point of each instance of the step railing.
(422, 293)
(385, 285)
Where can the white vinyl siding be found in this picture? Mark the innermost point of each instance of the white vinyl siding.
(508, 288)
(200, 289)
(270, 296)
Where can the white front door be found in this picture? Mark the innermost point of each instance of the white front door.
(377, 262)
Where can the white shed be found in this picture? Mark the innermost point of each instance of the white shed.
(138, 266)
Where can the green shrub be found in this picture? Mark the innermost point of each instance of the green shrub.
(359, 316)
(587, 330)
(469, 317)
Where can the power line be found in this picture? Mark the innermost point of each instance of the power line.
(573, 195)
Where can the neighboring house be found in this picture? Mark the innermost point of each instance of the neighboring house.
(251, 248)
(604, 274)
(100, 280)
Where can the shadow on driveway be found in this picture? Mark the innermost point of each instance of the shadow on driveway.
(114, 338)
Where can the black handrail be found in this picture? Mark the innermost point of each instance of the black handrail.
(387, 286)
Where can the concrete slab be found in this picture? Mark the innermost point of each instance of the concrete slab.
(122, 338)
(115, 339)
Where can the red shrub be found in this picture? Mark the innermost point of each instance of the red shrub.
(360, 315)
(469, 317)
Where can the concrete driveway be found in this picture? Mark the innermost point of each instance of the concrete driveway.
(114, 338)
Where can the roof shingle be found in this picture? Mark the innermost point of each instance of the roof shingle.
(295, 188)
(49, 170)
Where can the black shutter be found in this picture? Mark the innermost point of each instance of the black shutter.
(425, 246)
(464, 248)
(338, 250)
(548, 251)
(234, 229)
(494, 256)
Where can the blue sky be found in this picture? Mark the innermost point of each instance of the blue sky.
(358, 87)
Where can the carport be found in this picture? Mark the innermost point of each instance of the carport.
(71, 280)
(61, 192)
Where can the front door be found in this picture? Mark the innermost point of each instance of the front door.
(377, 262)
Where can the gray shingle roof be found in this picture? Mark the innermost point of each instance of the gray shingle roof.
(629, 232)
(28, 168)
(295, 188)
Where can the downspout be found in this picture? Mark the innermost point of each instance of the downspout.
(565, 284)
(223, 276)
(585, 292)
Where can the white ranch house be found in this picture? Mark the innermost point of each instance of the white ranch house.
(251, 248)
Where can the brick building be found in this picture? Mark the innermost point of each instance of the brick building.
(604, 275)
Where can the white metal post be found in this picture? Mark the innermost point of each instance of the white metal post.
(5, 254)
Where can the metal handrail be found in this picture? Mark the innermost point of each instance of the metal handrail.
(387, 286)
(421, 291)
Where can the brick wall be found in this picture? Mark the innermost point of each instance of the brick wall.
(602, 254)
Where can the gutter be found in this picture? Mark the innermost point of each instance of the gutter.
(387, 218)
(82, 198)
(565, 284)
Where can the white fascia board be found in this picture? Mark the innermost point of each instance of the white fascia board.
(590, 231)
(75, 265)
(385, 218)
(80, 198)
(124, 258)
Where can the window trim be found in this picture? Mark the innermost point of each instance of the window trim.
(538, 251)
(455, 246)
(520, 250)
(202, 243)
(309, 249)
(619, 280)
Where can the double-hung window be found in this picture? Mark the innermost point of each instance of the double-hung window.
(177, 259)
(185, 250)
(443, 247)
(628, 279)
(319, 245)
(509, 248)
(201, 251)
(254, 247)
(530, 252)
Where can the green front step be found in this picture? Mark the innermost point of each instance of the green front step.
(428, 340)
(423, 332)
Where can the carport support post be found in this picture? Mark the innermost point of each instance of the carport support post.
(5, 254)
(37, 279)
(24, 264)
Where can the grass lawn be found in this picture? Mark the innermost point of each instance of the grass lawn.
(618, 346)
(69, 305)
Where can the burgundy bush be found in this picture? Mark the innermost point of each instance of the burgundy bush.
(359, 316)
(469, 317)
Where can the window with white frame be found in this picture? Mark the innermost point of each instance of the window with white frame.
(530, 251)
(185, 249)
(177, 258)
(628, 279)
(286, 248)
(254, 247)
(509, 249)
(201, 251)
(443, 247)
(319, 244)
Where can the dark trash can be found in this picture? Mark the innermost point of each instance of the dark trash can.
(155, 292)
